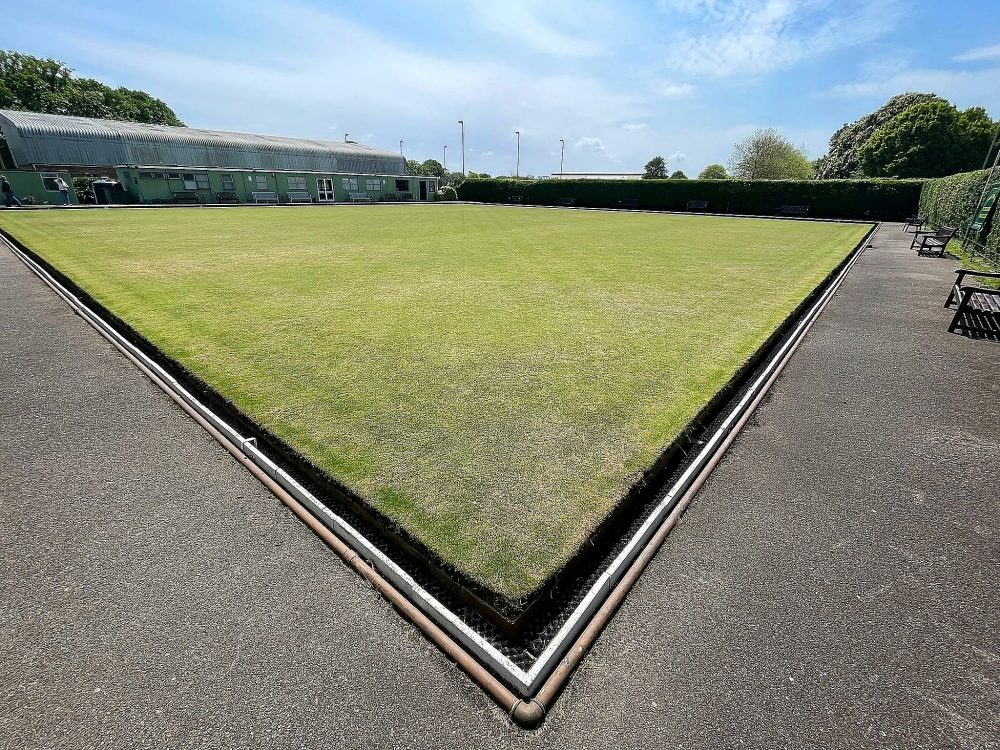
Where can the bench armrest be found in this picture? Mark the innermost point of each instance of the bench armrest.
(981, 274)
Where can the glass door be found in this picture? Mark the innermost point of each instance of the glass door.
(324, 188)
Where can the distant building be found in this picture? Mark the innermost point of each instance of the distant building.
(597, 176)
(161, 163)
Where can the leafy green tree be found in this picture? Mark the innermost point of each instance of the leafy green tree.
(656, 169)
(413, 167)
(432, 168)
(678, 175)
(453, 179)
(714, 172)
(43, 85)
(842, 160)
(929, 139)
(768, 155)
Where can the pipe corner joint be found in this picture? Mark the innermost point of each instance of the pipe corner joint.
(528, 714)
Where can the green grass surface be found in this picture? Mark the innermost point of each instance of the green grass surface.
(493, 379)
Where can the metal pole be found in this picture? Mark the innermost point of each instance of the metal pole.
(346, 137)
(462, 125)
(401, 149)
(517, 162)
(562, 155)
(445, 165)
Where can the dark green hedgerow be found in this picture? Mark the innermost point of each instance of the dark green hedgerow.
(952, 201)
(885, 200)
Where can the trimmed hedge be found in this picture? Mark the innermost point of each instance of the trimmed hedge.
(952, 201)
(887, 200)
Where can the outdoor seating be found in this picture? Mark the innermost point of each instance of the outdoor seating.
(917, 222)
(227, 198)
(697, 205)
(628, 203)
(789, 210)
(186, 197)
(515, 199)
(299, 196)
(978, 308)
(264, 197)
(567, 202)
(359, 197)
(932, 242)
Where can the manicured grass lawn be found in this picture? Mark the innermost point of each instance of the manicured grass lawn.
(491, 378)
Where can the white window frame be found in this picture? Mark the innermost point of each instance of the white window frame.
(228, 182)
(260, 180)
(373, 185)
(297, 182)
(350, 184)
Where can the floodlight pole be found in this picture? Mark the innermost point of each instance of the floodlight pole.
(517, 159)
(445, 165)
(461, 124)
(401, 149)
(562, 155)
(346, 137)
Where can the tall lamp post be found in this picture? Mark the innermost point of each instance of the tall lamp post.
(445, 165)
(562, 155)
(461, 124)
(517, 158)
(347, 137)
(401, 149)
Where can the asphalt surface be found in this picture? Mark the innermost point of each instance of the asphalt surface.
(833, 585)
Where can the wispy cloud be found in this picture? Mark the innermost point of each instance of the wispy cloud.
(964, 87)
(594, 145)
(980, 53)
(677, 156)
(746, 37)
(541, 26)
(671, 90)
(634, 126)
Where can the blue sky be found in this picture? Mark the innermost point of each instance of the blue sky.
(620, 82)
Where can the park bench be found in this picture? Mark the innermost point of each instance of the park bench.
(299, 196)
(628, 203)
(932, 242)
(567, 202)
(359, 197)
(697, 205)
(391, 197)
(917, 222)
(515, 199)
(978, 307)
(788, 210)
(186, 197)
(264, 197)
(406, 196)
(227, 198)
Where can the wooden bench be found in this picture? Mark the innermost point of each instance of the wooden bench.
(917, 222)
(788, 210)
(227, 198)
(359, 197)
(299, 196)
(628, 203)
(932, 242)
(264, 197)
(186, 197)
(697, 205)
(406, 196)
(515, 199)
(978, 307)
(567, 202)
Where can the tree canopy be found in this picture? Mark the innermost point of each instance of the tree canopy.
(714, 172)
(768, 155)
(656, 169)
(42, 85)
(678, 175)
(928, 139)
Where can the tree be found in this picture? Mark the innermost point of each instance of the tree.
(842, 160)
(767, 155)
(678, 175)
(714, 172)
(432, 168)
(42, 85)
(929, 139)
(656, 169)
(453, 179)
(413, 167)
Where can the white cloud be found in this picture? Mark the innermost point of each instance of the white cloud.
(540, 26)
(980, 53)
(633, 126)
(746, 37)
(677, 156)
(594, 145)
(964, 87)
(670, 90)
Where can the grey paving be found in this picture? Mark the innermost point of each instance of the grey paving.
(833, 585)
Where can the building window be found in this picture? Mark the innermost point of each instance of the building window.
(49, 181)
(173, 175)
(196, 182)
(403, 186)
(261, 181)
(373, 184)
(351, 184)
(296, 182)
(228, 183)
(146, 175)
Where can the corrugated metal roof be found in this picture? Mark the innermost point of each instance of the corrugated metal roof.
(36, 138)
